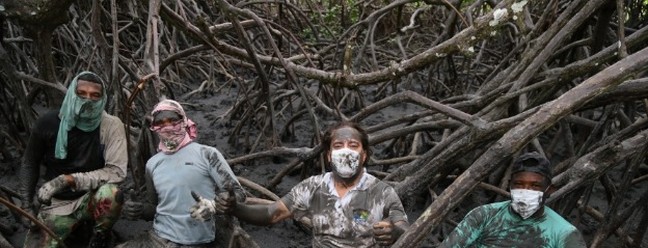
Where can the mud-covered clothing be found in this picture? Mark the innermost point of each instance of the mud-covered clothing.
(496, 225)
(197, 168)
(346, 221)
(151, 240)
(96, 160)
(93, 158)
(99, 206)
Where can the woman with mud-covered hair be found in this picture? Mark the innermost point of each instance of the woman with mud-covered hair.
(83, 151)
(182, 166)
(348, 207)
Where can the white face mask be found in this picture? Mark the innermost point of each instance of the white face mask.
(526, 202)
(345, 162)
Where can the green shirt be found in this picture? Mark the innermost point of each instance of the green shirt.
(496, 225)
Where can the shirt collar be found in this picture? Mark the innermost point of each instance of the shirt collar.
(361, 185)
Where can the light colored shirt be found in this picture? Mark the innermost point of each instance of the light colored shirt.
(496, 225)
(197, 168)
(347, 221)
(113, 139)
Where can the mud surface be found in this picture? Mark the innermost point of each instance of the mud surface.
(204, 110)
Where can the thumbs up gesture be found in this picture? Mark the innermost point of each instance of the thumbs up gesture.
(203, 210)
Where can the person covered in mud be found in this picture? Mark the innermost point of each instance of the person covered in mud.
(83, 151)
(523, 221)
(180, 167)
(348, 207)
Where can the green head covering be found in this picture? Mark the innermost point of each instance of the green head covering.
(85, 114)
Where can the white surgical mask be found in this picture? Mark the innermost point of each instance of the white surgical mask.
(345, 162)
(526, 202)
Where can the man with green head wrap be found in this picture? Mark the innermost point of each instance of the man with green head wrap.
(83, 152)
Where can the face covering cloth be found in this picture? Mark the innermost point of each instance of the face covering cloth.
(345, 162)
(525, 202)
(85, 114)
(172, 136)
(178, 135)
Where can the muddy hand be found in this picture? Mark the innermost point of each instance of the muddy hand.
(25, 221)
(383, 233)
(226, 201)
(203, 209)
(50, 188)
(195, 196)
(132, 210)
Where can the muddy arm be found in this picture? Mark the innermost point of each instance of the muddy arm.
(151, 201)
(262, 215)
(30, 169)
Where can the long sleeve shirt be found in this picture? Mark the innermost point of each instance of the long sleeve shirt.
(195, 167)
(94, 158)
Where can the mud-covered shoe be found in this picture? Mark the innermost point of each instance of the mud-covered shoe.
(99, 240)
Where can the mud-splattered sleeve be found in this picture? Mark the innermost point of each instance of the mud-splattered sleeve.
(468, 230)
(394, 206)
(222, 173)
(30, 169)
(299, 198)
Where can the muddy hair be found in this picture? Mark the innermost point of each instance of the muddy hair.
(91, 78)
(364, 137)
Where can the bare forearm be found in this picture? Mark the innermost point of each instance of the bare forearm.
(29, 175)
(259, 215)
(30, 169)
(151, 199)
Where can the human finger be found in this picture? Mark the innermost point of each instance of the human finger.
(195, 196)
(132, 210)
(382, 224)
(382, 227)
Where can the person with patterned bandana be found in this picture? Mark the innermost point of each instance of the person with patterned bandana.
(180, 167)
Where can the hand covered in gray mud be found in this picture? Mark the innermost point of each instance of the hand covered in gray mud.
(225, 202)
(29, 209)
(132, 210)
(385, 233)
(203, 209)
(50, 188)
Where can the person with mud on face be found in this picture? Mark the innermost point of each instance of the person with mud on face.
(83, 151)
(348, 207)
(524, 221)
(182, 166)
